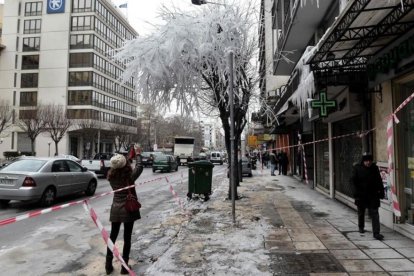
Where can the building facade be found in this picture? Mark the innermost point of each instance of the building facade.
(59, 52)
(349, 66)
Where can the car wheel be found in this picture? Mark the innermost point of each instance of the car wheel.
(4, 203)
(153, 170)
(250, 174)
(48, 197)
(176, 169)
(221, 163)
(90, 191)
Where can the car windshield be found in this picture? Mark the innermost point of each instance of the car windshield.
(24, 166)
(146, 154)
(161, 158)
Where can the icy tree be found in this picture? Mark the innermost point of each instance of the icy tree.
(186, 61)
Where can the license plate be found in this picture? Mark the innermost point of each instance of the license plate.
(6, 181)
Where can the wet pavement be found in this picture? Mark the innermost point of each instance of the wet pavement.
(305, 233)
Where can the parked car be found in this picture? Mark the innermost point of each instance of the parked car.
(100, 164)
(147, 159)
(246, 166)
(71, 157)
(44, 179)
(216, 157)
(164, 163)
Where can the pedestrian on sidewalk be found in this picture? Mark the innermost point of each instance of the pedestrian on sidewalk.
(120, 175)
(368, 190)
(273, 162)
(265, 159)
(283, 162)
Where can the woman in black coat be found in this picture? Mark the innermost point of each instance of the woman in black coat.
(121, 175)
(368, 190)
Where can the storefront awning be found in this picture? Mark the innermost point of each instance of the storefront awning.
(364, 28)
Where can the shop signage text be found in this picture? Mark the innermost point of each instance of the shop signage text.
(390, 60)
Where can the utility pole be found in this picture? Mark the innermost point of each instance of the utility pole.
(232, 144)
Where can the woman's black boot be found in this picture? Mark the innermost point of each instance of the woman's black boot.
(123, 269)
(108, 265)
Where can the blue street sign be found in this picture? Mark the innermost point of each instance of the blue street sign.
(55, 6)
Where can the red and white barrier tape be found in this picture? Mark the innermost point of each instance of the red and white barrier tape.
(105, 236)
(177, 198)
(390, 151)
(304, 165)
(73, 203)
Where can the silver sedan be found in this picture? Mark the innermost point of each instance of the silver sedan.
(44, 179)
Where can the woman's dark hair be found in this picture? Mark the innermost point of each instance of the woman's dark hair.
(122, 173)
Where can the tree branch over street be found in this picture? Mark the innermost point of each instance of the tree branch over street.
(190, 52)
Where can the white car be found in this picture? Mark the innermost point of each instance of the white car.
(71, 157)
(216, 157)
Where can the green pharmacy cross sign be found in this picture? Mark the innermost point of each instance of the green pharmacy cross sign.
(323, 103)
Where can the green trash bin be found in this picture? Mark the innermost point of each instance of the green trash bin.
(200, 176)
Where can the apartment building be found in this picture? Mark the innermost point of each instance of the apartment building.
(349, 65)
(60, 52)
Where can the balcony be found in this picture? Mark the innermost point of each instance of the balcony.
(297, 25)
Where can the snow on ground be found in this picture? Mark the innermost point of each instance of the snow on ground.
(210, 244)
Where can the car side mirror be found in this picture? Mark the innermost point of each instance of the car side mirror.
(84, 169)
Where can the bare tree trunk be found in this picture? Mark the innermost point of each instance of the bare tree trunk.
(56, 148)
(33, 147)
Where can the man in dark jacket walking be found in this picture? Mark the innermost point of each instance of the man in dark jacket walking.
(368, 190)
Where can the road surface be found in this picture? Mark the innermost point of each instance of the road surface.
(67, 242)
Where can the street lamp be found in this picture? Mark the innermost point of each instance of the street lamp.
(48, 152)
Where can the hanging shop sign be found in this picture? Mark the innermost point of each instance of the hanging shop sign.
(390, 60)
(323, 104)
(252, 141)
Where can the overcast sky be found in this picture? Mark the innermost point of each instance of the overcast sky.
(140, 12)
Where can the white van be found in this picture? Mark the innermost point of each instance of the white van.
(216, 157)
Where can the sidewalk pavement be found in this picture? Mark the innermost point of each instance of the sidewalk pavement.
(283, 227)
